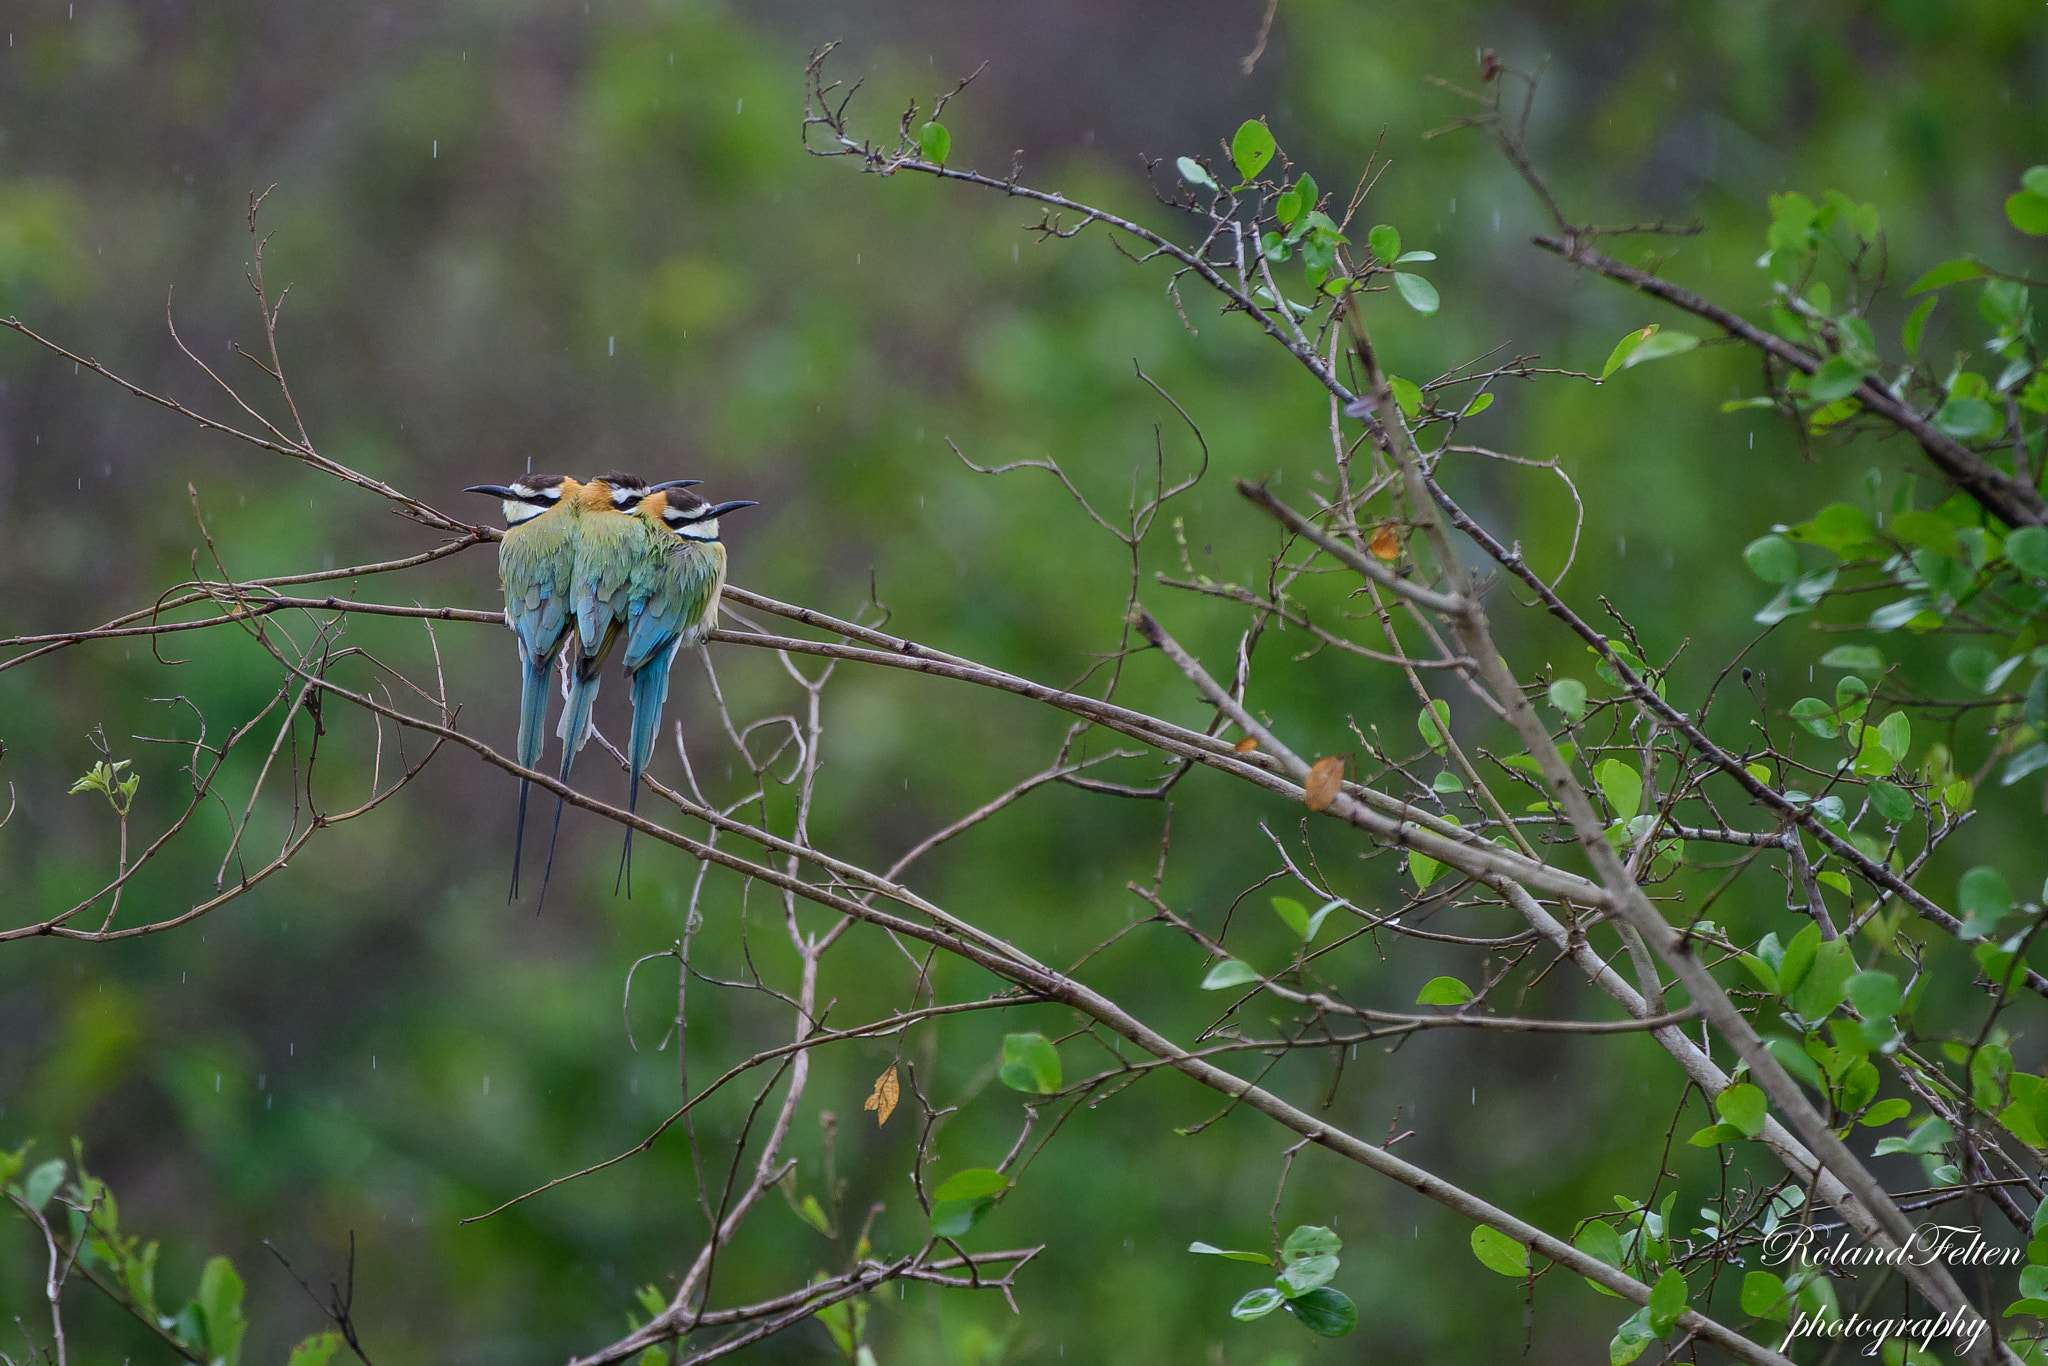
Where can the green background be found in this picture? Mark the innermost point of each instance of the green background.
(578, 237)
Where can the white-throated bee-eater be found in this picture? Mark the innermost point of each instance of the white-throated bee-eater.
(671, 604)
(609, 542)
(536, 560)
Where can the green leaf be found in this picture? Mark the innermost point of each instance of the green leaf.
(1895, 736)
(1625, 348)
(1293, 914)
(1405, 257)
(1310, 1240)
(1658, 345)
(1325, 1312)
(2029, 760)
(1621, 785)
(935, 142)
(1568, 695)
(1887, 1111)
(1857, 659)
(317, 1350)
(1876, 995)
(1630, 1338)
(1192, 172)
(1916, 323)
(2035, 178)
(1479, 404)
(1315, 921)
(1927, 1137)
(1815, 716)
(1837, 378)
(1947, 273)
(42, 1183)
(1030, 1064)
(220, 1307)
(959, 1204)
(1965, 418)
(1423, 868)
(1434, 722)
(1667, 1301)
(811, 1212)
(1498, 1252)
(1891, 801)
(1772, 559)
(2027, 548)
(972, 1184)
(1764, 1297)
(1407, 394)
(2028, 211)
(1443, 991)
(1743, 1106)
(1257, 1304)
(1385, 241)
(1209, 1250)
(1419, 293)
(1306, 1274)
(1251, 148)
(1984, 897)
(1599, 1241)
(1826, 984)
(1446, 783)
(1231, 972)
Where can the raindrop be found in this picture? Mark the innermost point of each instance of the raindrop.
(268, 1101)
(216, 1083)
(1454, 203)
(1752, 440)
(611, 346)
(487, 1086)
(1013, 251)
(259, 1081)
(373, 1062)
(738, 105)
(1496, 220)
(856, 258)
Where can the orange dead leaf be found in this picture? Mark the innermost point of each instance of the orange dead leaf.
(1246, 745)
(1385, 544)
(1325, 781)
(883, 1101)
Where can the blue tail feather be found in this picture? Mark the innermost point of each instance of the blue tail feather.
(574, 731)
(650, 693)
(533, 717)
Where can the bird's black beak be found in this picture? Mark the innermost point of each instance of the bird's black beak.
(674, 484)
(495, 490)
(720, 509)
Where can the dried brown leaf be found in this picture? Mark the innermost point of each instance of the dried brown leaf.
(883, 1101)
(1325, 781)
(1246, 745)
(1385, 544)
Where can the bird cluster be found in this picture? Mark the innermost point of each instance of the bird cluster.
(586, 563)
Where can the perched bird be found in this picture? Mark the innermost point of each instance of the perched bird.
(671, 603)
(535, 562)
(609, 542)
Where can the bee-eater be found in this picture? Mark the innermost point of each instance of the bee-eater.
(671, 603)
(535, 562)
(609, 541)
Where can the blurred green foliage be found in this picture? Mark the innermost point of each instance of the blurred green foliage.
(526, 236)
